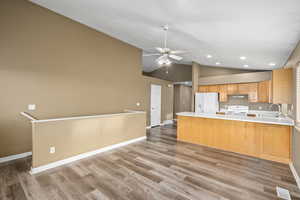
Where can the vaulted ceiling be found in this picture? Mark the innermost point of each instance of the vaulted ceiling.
(265, 32)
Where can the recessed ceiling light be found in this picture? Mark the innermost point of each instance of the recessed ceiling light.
(217, 63)
(243, 58)
(246, 65)
(209, 56)
(272, 64)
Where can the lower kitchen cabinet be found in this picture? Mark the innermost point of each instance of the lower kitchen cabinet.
(184, 125)
(275, 140)
(267, 141)
(244, 138)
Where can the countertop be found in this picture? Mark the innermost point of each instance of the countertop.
(279, 121)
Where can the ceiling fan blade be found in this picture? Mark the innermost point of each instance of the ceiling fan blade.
(159, 49)
(178, 58)
(161, 57)
(153, 54)
(178, 52)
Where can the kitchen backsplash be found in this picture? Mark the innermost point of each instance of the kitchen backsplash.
(243, 100)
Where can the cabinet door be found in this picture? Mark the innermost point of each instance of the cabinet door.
(237, 136)
(222, 134)
(252, 140)
(265, 92)
(275, 142)
(253, 92)
(243, 88)
(213, 88)
(282, 84)
(203, 88)
(223, 96)
(244, 138)
(205, 131)
(184, 128)
(232, 89)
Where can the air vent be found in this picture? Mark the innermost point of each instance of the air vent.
(283, 193)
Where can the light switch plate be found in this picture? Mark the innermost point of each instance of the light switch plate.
(52, 150)
(31, 107)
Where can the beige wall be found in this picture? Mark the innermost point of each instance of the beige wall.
(77, 136)
(65, 68)
(176, 73)
(206, 71)
(293, 62)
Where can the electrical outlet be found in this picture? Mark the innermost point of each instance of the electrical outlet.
(31, 107)
(52, 150)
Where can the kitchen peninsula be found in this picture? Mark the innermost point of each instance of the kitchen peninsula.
(261, 137)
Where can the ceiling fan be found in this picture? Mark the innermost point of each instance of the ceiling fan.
(165, 54)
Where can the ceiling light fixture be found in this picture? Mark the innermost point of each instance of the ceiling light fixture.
(272, 64)
(243, 58)
(246, 65)
(209, 56)
(217, 63)
(165, 62)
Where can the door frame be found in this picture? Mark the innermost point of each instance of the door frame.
(155, 85)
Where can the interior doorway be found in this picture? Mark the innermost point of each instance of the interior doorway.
(155, 105)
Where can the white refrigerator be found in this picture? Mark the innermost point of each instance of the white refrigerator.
(207, 102)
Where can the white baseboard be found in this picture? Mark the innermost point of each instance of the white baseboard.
(296, 176)
(15, 157)
(81, 156)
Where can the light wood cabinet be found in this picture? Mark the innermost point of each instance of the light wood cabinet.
(243, 138)
(203, 89)
(257, 92)
(213, 88)
(274, 142)
(184, 124)
(253, 92)
(267, 141)
(223, 94)
(232, 89)
(265, 91)
(243, 88)
(250, 89)
(282, 83)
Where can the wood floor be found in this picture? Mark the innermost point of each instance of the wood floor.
(159, 168)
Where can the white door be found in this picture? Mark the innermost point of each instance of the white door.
(155, 105)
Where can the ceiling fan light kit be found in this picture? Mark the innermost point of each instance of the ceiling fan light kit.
(166, 55)
(165, 62)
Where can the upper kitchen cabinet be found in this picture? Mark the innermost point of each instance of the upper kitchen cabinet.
(260, 92)
(232, 89)
(250, 89)
(282, 83)
(223, 97)
(213, 88)
(253, 92)
(203, 89)
(221, 89)
(265, 91)
(243, 88)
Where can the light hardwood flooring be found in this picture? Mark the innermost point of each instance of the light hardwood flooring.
(160, 168)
